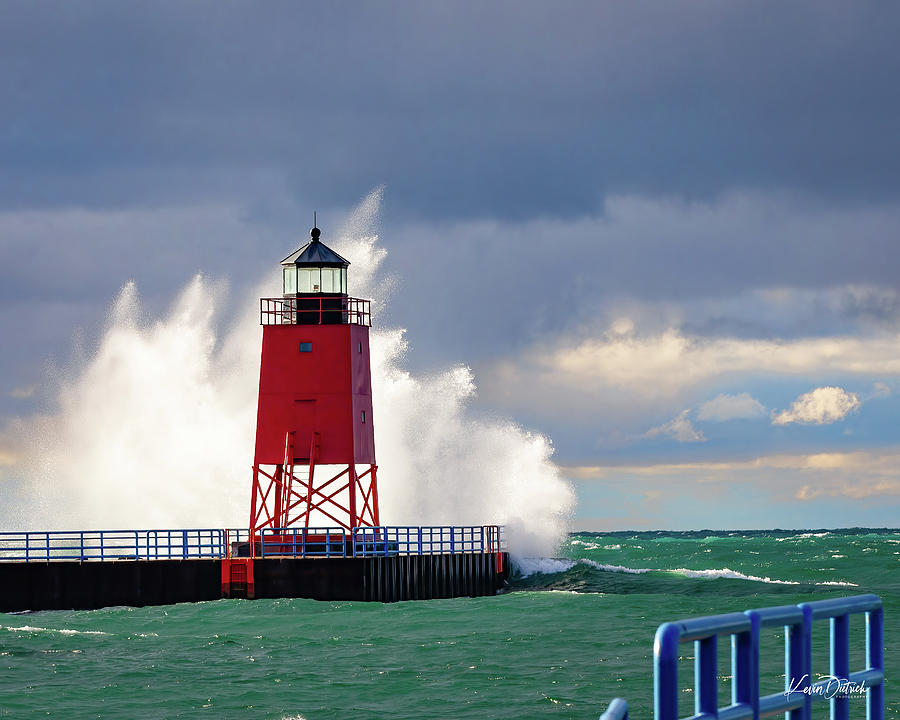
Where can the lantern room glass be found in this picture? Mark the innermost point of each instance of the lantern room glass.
(290, 280)
(315, 280)
(305, 279)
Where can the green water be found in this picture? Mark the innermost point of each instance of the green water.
(561, 645)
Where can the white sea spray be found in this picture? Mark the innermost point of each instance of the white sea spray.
(155, 426)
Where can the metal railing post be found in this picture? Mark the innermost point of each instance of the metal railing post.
(875, 661)
(840, 664)
(798, 647)
(665, 672)
(706, 675)
(745, 667)
(617, 710)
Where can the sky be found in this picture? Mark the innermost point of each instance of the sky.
(665, 235)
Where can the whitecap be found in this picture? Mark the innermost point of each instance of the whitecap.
(803, 536)
(730, 575)
(707, 574)
(616, 568)
(542, 565)
(63, 631)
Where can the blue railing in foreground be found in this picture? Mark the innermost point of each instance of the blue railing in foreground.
(800, 691)
(112, 545)
(617, 710)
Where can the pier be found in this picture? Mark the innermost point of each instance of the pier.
(85, 570)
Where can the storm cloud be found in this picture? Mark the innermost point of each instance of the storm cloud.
(506, 109)
(620, 216)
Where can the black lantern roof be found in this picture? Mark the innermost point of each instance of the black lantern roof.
(315, 253)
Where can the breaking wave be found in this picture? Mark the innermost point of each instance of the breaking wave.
(155, 427)
(529, 567)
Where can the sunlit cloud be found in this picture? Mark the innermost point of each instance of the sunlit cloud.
(22, 393)
(855, 491)
(829, 489)
(884, 464)
(822, 406)
(880, 391)
(679, 428)
(668, 362)
(731, 407)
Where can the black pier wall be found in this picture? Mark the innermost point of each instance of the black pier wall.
(65, 585)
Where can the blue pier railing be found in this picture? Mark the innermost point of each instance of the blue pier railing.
(303, 542)
(426, 540)
(800, 692)
(112, 545)
(183, 544)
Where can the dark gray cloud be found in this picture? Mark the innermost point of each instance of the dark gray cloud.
(748, 266)
(549, 166)
(508, 109)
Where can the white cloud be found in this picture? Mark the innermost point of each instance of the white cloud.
(731, 407)
(838, 489)
(852, 490)
(679, 428)
(822, 406)
(667, 362)
(855, 475)
(879, 391)
(857, 464)
(645, 369)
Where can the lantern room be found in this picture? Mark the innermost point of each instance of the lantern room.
(314, 269)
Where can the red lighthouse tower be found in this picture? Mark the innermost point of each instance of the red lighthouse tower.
(315, 447)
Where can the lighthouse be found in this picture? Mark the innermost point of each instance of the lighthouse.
(314, 462)
(315, 529)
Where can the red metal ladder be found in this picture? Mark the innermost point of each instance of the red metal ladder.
(237, 578)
